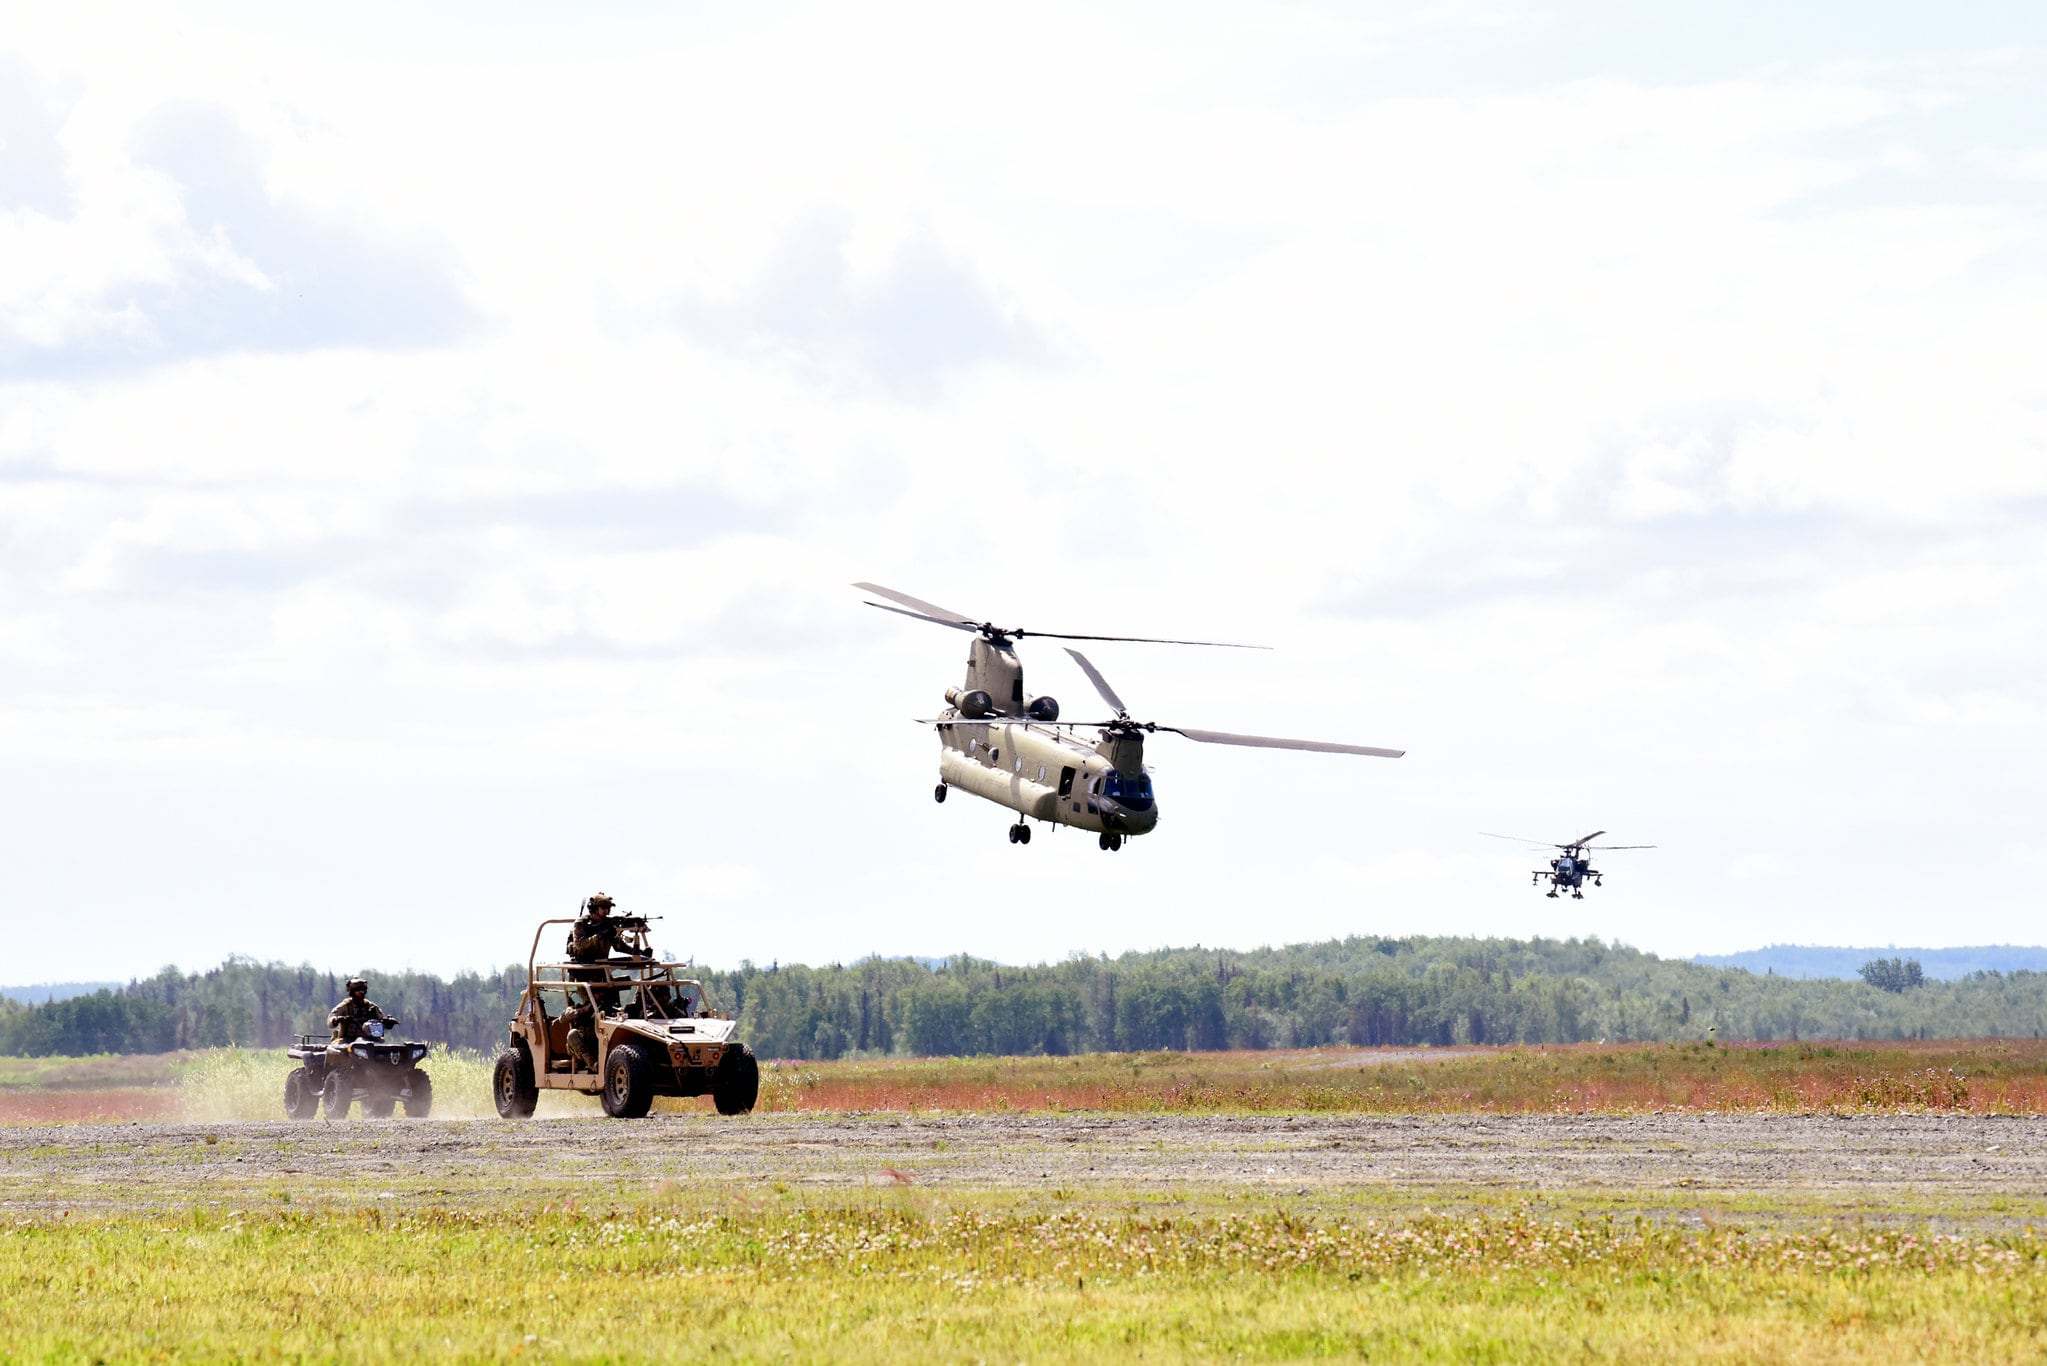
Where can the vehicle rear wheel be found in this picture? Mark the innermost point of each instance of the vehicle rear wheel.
(628, 1083)
(336, 1096)
(301, 1097)
(420, 1103)
(736, 1085)
(512, 1086)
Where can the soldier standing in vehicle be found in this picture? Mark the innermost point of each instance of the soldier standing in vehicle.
(347, 1019)
(593, 939)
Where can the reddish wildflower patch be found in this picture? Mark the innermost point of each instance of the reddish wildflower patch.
(1983, 1076)
(109, 1106)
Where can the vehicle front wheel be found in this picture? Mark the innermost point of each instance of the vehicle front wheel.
(420, 1103)
(336, 1096)
(512, 1085)
(628, 1083)
(301, 1097)
(737, 1083)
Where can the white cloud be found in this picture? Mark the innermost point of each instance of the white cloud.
(1663, 450)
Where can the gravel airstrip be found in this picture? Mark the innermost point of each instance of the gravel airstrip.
(1971, 1166)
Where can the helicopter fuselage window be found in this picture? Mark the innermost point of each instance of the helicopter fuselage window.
(1066, 783)
(995, 756)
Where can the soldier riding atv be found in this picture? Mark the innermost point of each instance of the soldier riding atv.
(358, 1063)
(626, 1028)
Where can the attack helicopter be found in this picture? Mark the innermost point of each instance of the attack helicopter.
(1010, 747)
(1569, 869)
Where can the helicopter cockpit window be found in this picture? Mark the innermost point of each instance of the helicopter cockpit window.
(1133, 791)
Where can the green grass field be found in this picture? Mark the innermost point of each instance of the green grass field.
(967, 1280)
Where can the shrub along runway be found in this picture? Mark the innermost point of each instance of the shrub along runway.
(1956, 1165)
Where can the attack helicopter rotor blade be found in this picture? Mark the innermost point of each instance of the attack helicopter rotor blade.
(1604, 847)
(1218, 737)
(939, 621)
(1582, 840)
(919, 607)
(1539, 844)
(1094, 676)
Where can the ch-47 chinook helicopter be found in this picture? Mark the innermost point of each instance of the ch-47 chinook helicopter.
(1569, 869)
(1001, 743)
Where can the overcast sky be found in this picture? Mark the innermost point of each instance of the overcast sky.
(435, 446)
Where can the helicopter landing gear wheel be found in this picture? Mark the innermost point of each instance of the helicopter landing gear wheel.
(938, 793)
(1110, 842)
(1019, 833)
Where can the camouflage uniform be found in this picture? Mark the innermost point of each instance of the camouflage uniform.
(582, 1022)
(348, 1018)
(346, 1021)
(592, 939)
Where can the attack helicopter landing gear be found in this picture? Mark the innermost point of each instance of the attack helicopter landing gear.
(1019, 833)
(1109, 842)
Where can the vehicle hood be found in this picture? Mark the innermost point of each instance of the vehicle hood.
(683, 1031)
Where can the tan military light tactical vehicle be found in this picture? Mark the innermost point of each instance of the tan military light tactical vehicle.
(655, 1035)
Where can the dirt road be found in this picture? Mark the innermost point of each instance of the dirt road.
(1903, 1164)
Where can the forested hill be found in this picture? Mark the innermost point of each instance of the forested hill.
(1803, 960)
(1358, 990)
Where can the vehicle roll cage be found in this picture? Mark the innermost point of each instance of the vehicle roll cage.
(643, 968)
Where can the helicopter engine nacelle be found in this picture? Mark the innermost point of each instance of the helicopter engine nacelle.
(1043, 709)
(975, 703)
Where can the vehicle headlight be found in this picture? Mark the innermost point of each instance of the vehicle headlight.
(418, 1053)
(360, 1051)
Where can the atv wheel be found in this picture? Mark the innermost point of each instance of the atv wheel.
(301, 1097)
(736, 1085)
(511, 1084)
(628, 1083)
(336, 1096)
(420, 1103)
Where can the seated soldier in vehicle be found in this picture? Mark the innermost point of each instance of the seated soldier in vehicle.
(581, 1019)
(347, 1019)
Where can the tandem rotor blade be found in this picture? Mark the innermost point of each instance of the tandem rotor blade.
(1136, 640)
(944, 616)
(1218, 737)
(1094, 676)
(938, 621)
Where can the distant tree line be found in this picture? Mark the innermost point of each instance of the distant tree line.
(260, 1005)
(1364, 990)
